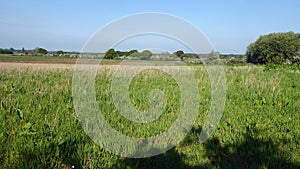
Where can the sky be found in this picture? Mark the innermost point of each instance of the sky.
(230, 25)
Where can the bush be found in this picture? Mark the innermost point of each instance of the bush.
(236, 61)
(274, 48)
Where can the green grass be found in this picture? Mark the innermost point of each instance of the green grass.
(259, 127)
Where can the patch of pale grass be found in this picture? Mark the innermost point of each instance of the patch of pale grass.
(33, 66)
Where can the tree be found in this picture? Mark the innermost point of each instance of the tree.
(110, 54)
(179, 54)
(41, 51)
(274, 48)
(131, 52)
(213, 58)
(145, 54)
(60, 52)
(6, 51)
(213, 55)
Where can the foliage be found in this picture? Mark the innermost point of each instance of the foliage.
(189, 55)
(35, 52)
(145, 54)
(296, 60)
(59, 52)
(6, 51)
(213, 55)
(125, 53)
(184, 56)
(179, 54)
(274, 48)
(213, 58)
(130, 53)
(41, 51)
(272, 66)
(110, 54)
(236, 61)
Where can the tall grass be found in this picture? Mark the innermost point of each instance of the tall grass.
(259, 127)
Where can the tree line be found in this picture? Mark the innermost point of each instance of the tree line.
(6, 51)
(273, 48)
(36, 51)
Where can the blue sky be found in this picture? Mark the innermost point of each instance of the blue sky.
(68, 24)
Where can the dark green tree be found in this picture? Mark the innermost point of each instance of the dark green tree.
(111, 54)
(131, 52)
(41, 51)
(179, 54)
(274, 48)
(60, 52)
(6, 51)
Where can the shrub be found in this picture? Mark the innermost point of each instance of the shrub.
(274, 48)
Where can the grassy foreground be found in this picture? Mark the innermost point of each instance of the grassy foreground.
(259, 127)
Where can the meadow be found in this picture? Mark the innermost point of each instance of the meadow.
(259, 127)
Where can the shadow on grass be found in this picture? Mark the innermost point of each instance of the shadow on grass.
(251, 153)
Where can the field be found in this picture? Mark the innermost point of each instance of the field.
(259, 127)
